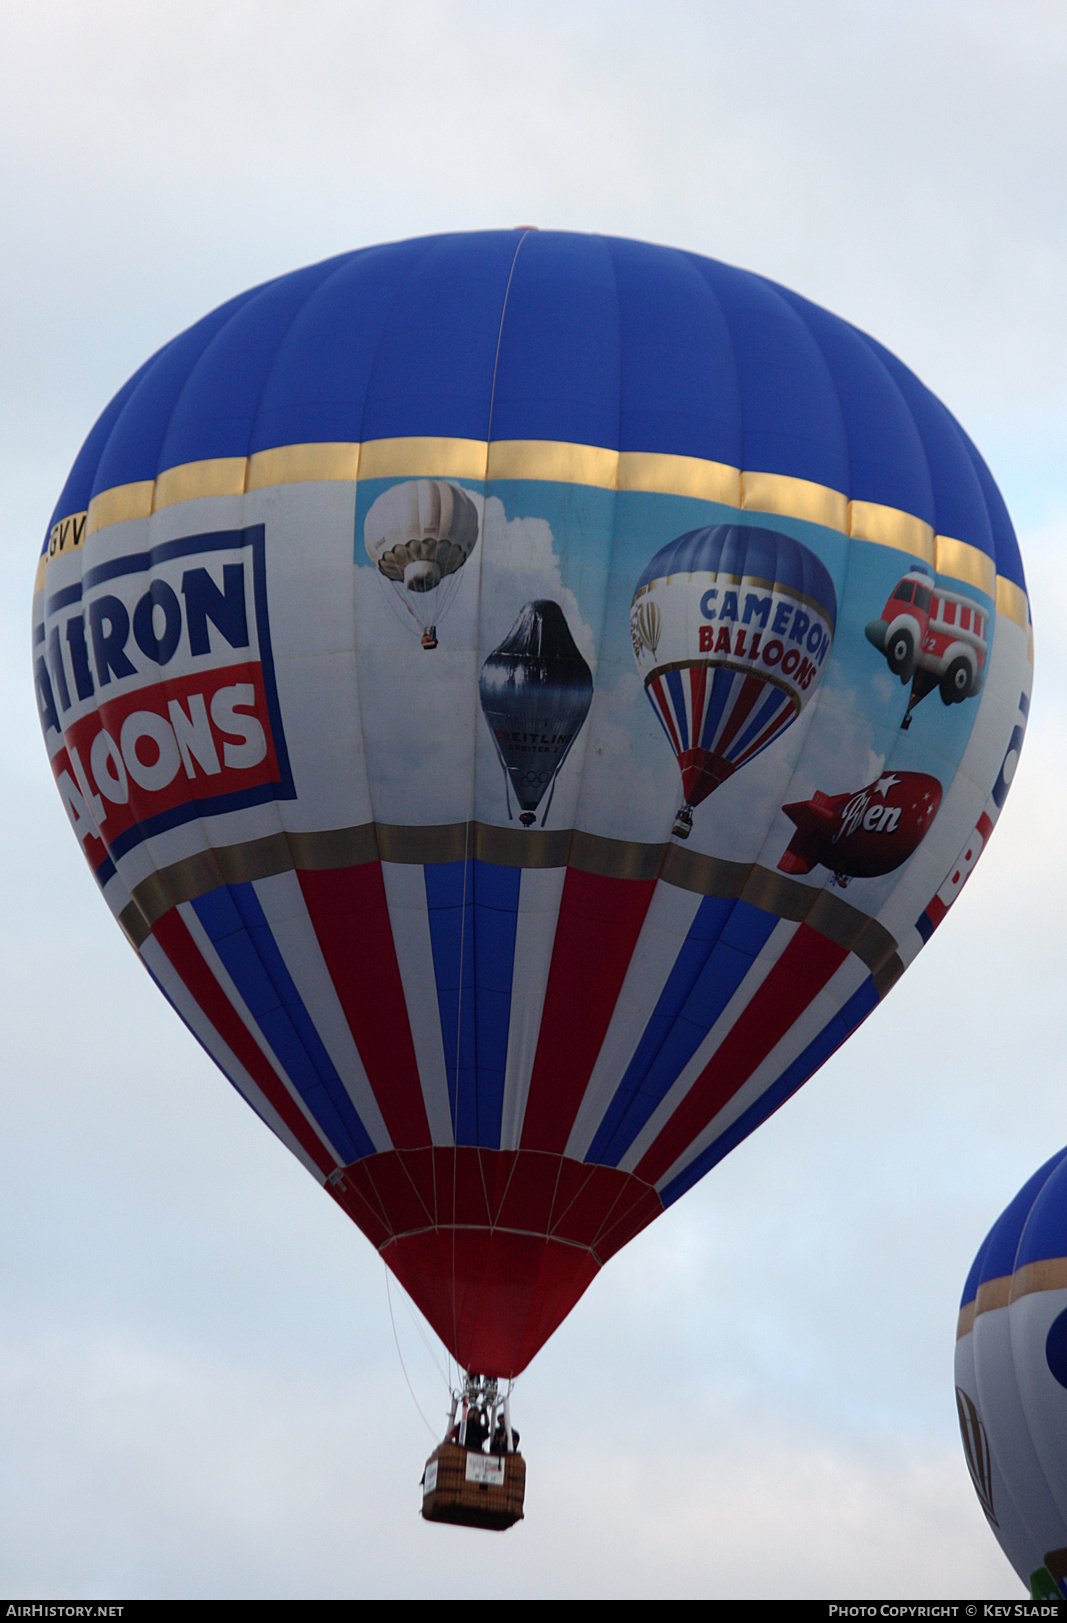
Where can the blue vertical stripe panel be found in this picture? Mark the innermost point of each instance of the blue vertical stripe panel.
(789, 407)
(764, 714)
(433, 364)
(473, 911)
(496, 913)
(723, 941)
(450, 910)
(557, 375)
(959, 505)
(723, 683)
(77, 492)
(678, 380)
(237, 927)
(317, 386)
(886, 459)
(133, 450)
(854, 1012)
(224, 385)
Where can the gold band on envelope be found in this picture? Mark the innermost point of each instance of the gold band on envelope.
(426, 456)
(1050, 1274)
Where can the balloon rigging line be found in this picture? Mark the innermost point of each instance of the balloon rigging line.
(419, 1325)
(400, 1355)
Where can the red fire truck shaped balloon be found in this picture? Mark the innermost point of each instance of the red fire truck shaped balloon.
(869, 832)
(932, 638)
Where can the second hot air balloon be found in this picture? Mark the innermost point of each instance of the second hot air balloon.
(1011, 1379)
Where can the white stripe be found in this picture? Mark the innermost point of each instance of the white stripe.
(405, 892)
(770, 953)
(816, 1017)
(540, 893)
(205, 947)
(283, 904)
(186, 1006)
(667, 923)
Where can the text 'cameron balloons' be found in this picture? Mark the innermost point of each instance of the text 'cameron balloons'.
(739, 625)
(506, 1036)
(1011, 1379)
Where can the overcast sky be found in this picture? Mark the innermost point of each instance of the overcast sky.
(200, 1390)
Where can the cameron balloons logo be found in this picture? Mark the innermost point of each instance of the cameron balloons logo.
(155, 678)
(730, 628)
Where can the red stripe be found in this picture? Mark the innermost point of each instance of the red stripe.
(800, 973)
(174, 938)
(663, 705)
(698, 684)
(350, 915)
(936, 911)
(599, 923)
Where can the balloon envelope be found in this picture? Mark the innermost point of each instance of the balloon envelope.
(1011, 1379)
(504, 1050)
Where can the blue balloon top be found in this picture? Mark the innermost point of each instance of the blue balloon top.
(1002, 1250)
(1045, 1234)
(746, 549)
(603, 342)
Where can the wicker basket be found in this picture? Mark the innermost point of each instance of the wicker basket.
(465, 1487)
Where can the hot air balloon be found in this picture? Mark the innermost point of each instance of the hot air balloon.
(743, 619)
(420, 533)
(504, 1050)
(535, 691)
(1011, 1379)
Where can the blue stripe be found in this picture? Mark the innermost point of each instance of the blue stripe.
(723, 941)
(473, 913)
(817, 1053)
(237, 926)
(723, 683)
(764, 714)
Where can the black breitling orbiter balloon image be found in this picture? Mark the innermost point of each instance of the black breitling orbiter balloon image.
(535, 690)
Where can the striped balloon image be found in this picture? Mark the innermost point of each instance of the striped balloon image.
(731, 627)
(535, 692)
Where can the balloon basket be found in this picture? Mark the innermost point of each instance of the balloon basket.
(429, 637)
(471, 1489)
(683, 824)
